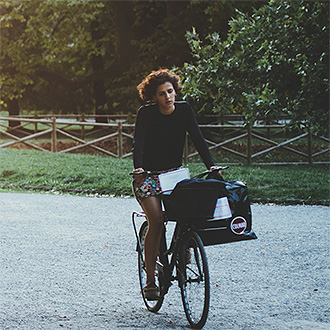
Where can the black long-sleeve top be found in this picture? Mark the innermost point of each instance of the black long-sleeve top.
(159, 139)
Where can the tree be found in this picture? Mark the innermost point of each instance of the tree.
(274, 61)
(76, 55)
(38, 41)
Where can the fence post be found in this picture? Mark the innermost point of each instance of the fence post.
(35, 124)
(82, 133)
(249, 144)
(268, 129)
(309, 142)
(54, 135)
(120, 139)
(222, 132)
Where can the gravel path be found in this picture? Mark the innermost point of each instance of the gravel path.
(69, 262)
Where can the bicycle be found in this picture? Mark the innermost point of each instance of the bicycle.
(184, 261)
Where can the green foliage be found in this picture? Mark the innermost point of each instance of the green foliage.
(53, 36)
(48, 48)
(275, 61)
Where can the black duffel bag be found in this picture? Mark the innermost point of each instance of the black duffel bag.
(238, 226)
(194, 201)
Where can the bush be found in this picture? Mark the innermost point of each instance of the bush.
(274, 62)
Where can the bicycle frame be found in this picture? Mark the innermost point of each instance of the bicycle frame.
(167, 263)
(139, 215)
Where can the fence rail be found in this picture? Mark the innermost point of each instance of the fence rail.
(91, 134)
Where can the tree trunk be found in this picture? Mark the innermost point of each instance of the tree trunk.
(177, 25)
(13, 110)
(98, 65)
(123, 23)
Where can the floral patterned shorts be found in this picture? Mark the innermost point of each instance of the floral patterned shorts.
(148, 185)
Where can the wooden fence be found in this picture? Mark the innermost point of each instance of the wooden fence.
(91, 134)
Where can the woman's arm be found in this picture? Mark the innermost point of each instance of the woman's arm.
(198, 139)
(139, 139)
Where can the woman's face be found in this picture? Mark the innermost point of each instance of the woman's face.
(165, 95)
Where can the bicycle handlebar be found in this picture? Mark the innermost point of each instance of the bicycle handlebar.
(145, 172)
(215, 169)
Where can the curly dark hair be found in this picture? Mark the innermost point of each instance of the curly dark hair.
(148, 87)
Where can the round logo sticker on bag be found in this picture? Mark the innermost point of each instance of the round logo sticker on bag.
(238, 225)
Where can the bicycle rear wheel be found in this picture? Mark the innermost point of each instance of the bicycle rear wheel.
(194, 280)
(152, 305)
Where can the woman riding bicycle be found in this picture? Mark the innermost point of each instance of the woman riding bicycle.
(159, 139)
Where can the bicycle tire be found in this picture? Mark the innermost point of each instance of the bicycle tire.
(152, 305)
(194, 280)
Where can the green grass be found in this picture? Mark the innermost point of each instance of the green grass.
(30, 170)
(36, 170)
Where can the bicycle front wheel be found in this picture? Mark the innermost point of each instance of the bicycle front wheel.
(194, 280)
(152, 305)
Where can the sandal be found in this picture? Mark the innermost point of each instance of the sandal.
(151, 291)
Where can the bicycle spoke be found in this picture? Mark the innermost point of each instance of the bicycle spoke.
(194, 283)
(198, 274)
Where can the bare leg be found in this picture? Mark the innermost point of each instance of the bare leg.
(153, 210)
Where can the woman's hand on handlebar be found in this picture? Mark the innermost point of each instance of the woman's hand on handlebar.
(138, 174)
(216, 168)
(138, 170)
(213, 171)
